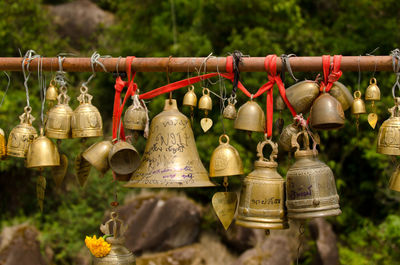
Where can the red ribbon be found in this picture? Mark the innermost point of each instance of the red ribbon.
(332, 72)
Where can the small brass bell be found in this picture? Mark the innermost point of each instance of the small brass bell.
(250, 117)
(372, 94)
(170, 158)
(190, 98)
(394, 182)
(302, 94)
(225, 160)
(230, 110)
(97, 155)
(86, 119)
(285, 139)
(22, 135)
(42, 152)
(51, 92)
(310, 184)
(123, 158)
(119, 254)
(358, 106)
(326, 113)
(389, 132)
(3, 148)
(58, 125)
(262, 198)
(205, 103)
(135, 117)
(342, 94)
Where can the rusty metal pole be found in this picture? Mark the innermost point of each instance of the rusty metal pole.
(192, 64)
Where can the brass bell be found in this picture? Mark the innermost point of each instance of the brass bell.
(230, 110)
(97, 155)
(358, 106)
(170, 158)
(58, 125)
(342, 94)
(51, 92)
(394, 182)
(119, 254)
(326, 113)
(86, 119)
(3, 148)
(279, 103)
(123, 158)
(225, 160)
(22, 135)
(310, 184)
(285, 139)
(302, 94)
(135, 117)
(262, 198)
(190, 98)
(205, 102)
(389, 132)
(372, 93)
(250, 117)
(42, 152)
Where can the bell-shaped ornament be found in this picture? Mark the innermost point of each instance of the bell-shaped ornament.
(262, 198)
(97, 155)
(285, 139)
(205, 102)
(190, 98)
(225, 160)
(310, 184)
(123, 158)
(279, 103)
(170, 158)
(372, 93)
(22, 135)
(86, 119)
(42, 152)
(326, 113)
(230, 110)
(394, 182)
(302, 94)
(58, 125)
(389, 132)
(358, 106)
(342, 94)
(250, 117)
(51, 92)
(135, 117)
(3, 148)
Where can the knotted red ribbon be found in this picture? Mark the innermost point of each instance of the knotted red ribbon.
(332, 72)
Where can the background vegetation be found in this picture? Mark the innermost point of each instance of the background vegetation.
(368, 229)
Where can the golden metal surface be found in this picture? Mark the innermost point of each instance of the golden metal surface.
(225, 160)
(358, 106)
(42, 152)
(206, 124)
(262, 198)
(205, 102)
(230, 110)
(302, 94)
(250, 117)
(82, 169)
(372, 119)
(190, 98)
(170, 158)
(326, 113)
(123, 158)
(51, 92)
(97, 155)
(135, 117)
(285, 139)
(394, 182)
(3, 148)
(342, 94)
(389, 132)
(58, 125)
(373, 93)
(225, 204)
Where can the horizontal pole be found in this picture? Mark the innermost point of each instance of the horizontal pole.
(193, 64)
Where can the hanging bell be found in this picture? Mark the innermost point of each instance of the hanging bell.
(42, 152)
(51, 92)
(394, 182)
(262, 198)
(123, 158)
(372, 93)
(205, 102)
(58, 125)
(135, 117)
(326, 113)
(22, 135)
(389, 132)
(119, 254)
(225, 160)
(310, 184)
(190, 98)
(97, 155)
(302, 94)
(250, 117)
(285, 139)
(170, 158)
(342, 94)
(358, 106)
(3, 148)
(230, 110)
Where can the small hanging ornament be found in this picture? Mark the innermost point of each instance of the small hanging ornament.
(190, 100)
(372, 94)
(358, 107)
(205, 103)
(136, 117)
(51, 94)
(230, 110)
(225, 204)
(3, 149)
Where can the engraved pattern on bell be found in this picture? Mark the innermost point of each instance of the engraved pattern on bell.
(225, 160)
(250, 117)
(58, 125)
(389, 132)
(302, 94)
(342, 94)
(373, 92)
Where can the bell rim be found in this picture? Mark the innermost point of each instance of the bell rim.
(203, 183)
(314, 214)
(284, 224)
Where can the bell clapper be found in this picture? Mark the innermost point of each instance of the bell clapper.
(226, 184)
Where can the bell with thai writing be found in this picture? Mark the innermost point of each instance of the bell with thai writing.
(97, 155)
(285, 139)
(225, 160)
(310, 184)
(3, 149)
(394, 182)
(302, 94)
(58, 125)
(42, 153)
(262, 198)
(389, 132)
(342, 94)
(250, 117)
(190, 98)
(170, 158)
(86, 120)
(123, 158)
(22, 135)
(135, 117)
(326, 113)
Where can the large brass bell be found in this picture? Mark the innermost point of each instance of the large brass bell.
(97, 155)
(372, 93)
(285, 139)
(22, 135)
(58, 125)
(389, 132)
(42, 152)
(230, 110)
(3, 148)
(135, 117)
(51, 92)
(302, 94)
(250, 117)
(86, 119)
(119, 254)
(170, 158)
(225, 160)
(394, 182)
(190, 98)
(326, 113)
(123, 158)
(310, 184)
(342, 94)
(262, 198)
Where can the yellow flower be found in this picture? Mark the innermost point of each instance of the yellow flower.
(98, 246)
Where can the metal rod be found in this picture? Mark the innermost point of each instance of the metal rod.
(192, 64)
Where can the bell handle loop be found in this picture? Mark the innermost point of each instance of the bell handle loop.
(191, 88)
(296, 144)
(206, 91)
(224, 136)
(372, 81)
(357, 94)
(84, 89)
(260, 148)
(28, 110)
(232, 100)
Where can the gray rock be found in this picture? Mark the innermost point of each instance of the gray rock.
(322, 232)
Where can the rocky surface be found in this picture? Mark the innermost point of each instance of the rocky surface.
(322, 232)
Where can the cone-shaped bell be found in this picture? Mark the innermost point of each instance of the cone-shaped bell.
(123, 158)
(394, 183)
(135, 117)
(262, 199)
(302, 94)
(326, 113)
(205, 102)
(250, 117)
(342, 94)
(2, 144)
(372, 92)
(358, 106)
(389, 132)
(58, 125)
(170, 158)
(42, 152)
(285, 139)
(97, 155)
(190, 98)
(230, 112)
(51, 92)
(310, 185)
(225, 160)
